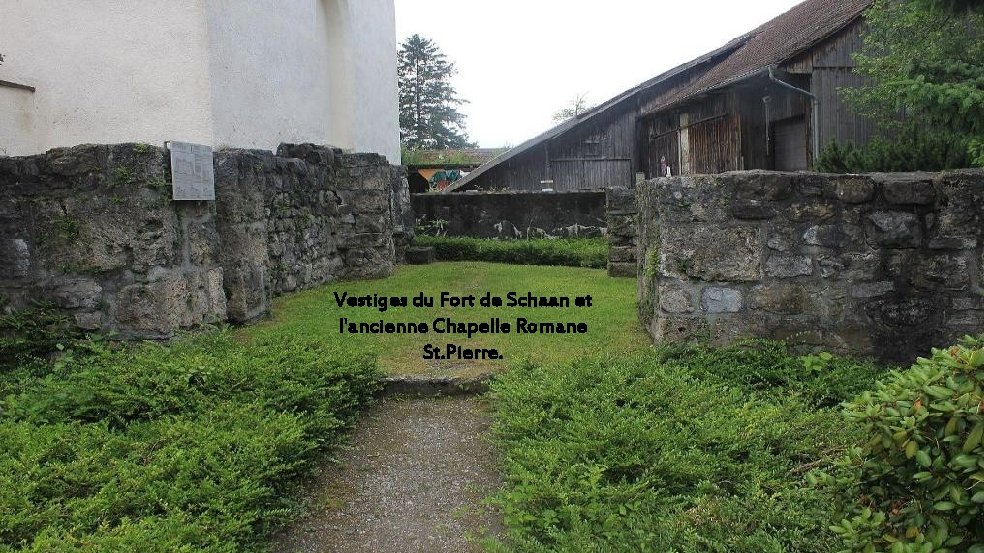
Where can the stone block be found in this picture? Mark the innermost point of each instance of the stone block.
(968, 303)
(622, 225)
(711, 253)
(872, 289)
(894, 229)
(948, 271)
(761, 185)
(417, 255)
(77, 293)
(15, 258)
(152, 310)
(674, 298)
(907, 188)
(752, 209)
(810, 212)
(780, 241)
(853, 189)
(620, 201)
(788, 266)
(89, 320)
(622, 269)
(784, 299)
(721, 300)
(833, 236)
(952, 242)
(908, 311)
(203, 243)
(622, 254)
(692, 199)
(853, 266)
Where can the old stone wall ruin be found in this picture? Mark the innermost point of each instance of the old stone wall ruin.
(621, 211)
(93, 229)
(882, 264)
(514, 214)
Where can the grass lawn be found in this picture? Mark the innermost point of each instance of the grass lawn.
(611, 321)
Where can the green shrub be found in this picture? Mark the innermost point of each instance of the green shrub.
(768, 367)
(917, 483)
(33, 334)
(658, 453)
(572, 252)
(916, 153)
(192, 447)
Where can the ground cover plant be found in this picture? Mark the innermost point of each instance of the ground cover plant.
(196, 446)
(612, 324)
(681, 448)
(574, 252)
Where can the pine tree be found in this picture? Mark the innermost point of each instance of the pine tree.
(429, 118)
(925, 59)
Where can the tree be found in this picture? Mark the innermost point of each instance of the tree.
(429, 118)
(577, 106)
(924, 62)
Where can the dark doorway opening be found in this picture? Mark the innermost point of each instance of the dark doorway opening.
(791, 144)
(417, 183)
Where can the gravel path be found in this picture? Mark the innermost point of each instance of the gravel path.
(413, 480)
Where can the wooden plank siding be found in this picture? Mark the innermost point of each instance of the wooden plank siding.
(831, 64)
(715, 144)
(591, 156)
(708, 116)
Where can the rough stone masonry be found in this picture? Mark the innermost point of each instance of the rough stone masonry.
(93, 229)
(887, 265)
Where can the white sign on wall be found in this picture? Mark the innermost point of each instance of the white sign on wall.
(192, 176)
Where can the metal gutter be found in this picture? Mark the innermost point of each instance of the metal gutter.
(815, 111)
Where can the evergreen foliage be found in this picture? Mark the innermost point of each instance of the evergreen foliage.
(924, 60)
(429, 116)
(919, 152)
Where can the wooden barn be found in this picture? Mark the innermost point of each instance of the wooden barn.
(765, 100)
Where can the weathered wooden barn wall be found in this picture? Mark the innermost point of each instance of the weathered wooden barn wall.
(722, 132)
(708, 115)
(590, 157)
(831, 67)
(595, 155)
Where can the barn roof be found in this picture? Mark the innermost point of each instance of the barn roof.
(776, 41)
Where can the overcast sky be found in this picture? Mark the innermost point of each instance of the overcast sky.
(519, 61)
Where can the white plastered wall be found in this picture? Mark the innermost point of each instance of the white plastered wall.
(269, 72)
(104, 71)
(376, 110)
(230, 73)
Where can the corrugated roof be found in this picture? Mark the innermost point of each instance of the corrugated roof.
(776, 41)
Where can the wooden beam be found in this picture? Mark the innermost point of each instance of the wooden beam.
(9, 84)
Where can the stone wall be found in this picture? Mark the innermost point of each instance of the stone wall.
(883, 264)
(621, 210)
(93, 229)
(514, 214)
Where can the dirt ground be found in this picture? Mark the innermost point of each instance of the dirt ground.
(413, 480)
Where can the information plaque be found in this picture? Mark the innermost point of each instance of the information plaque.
(192, 177)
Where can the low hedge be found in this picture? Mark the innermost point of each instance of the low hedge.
(573, 252)
(661, 452)
(192, 447)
